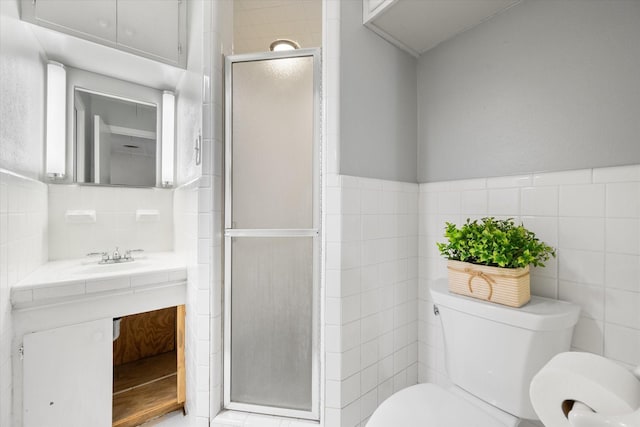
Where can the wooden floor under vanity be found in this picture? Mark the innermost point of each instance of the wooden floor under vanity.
(148, 366)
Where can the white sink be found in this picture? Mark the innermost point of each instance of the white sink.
(95, 268)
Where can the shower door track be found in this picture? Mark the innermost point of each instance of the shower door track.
(314, 233)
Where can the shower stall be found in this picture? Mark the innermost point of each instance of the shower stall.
(272, 243)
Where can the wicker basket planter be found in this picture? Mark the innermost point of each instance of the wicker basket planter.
(507, 286)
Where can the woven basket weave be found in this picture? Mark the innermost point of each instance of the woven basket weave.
(507, 286)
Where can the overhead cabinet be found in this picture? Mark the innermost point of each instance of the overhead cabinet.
(417, 26)
(152, 28)
(155, 29)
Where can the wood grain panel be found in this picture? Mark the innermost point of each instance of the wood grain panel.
(134, 407)
(181, 377)
(139, 372)
(144, 335)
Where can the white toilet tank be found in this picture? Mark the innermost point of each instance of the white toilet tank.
(493, 351)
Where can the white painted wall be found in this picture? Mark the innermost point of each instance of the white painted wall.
(545, 86)
(22, 90)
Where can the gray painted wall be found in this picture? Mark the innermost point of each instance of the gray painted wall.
(545, 86)
(378, 128)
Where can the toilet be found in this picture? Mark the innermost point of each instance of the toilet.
(492, 352)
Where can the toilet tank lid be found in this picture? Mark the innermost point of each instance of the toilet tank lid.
(539, 314)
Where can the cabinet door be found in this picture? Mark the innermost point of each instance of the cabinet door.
(152, 27)
(68, 376)
(90, 19)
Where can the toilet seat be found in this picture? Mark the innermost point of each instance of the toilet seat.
(428, 405)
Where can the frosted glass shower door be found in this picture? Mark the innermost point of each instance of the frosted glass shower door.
(271, 234)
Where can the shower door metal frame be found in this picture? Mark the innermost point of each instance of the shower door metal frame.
(314, 233)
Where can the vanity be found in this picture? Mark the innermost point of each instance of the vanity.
(101, 344)
(100, 341)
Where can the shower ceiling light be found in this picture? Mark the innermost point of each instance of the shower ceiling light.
(283, 44)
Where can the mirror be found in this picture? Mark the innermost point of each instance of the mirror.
(115, 139)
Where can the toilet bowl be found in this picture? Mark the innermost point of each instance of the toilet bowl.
(491, 354)
(429, 405)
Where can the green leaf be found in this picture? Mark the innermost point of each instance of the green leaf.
(494, 242)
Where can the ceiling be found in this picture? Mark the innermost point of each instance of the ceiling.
(256, 23)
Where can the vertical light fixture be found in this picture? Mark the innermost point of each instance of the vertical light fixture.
(168, 136)
(56, 123)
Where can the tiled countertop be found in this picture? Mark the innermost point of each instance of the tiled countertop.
(78, 278)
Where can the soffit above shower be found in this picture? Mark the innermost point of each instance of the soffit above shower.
(419, 25)
(257, 23)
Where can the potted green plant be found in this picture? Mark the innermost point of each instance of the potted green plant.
(490, 258)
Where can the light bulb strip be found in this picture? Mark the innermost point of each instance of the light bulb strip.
(168, 137)
(56, 123)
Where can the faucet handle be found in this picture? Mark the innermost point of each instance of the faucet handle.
(128, 253)
(104, 255)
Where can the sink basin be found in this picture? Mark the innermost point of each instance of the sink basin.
(96, 268)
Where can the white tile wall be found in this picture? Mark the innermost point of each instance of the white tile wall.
(591, 216)
(23, 247)
(186, 243)
(298, 20)
(116, 223)
(198, 227)
(220, 38)
(371, 295)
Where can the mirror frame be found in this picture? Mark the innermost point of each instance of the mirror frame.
(113, 88)
(76, 145)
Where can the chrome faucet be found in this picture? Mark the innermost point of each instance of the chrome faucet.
(116, 257)
(104, 255)
(128, 254)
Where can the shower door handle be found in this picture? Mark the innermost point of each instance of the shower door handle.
(198, 149)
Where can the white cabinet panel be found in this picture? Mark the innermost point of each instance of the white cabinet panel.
(417, 26)
(90, 18)
(155, 29)
(68, 376)
(369, 7)
(151, 26)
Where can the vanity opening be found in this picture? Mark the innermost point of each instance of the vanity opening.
(148, 366)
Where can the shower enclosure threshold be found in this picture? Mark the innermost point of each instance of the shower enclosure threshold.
(239, 418)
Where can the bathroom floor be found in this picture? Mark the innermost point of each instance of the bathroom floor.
(235, 418)
(231, 419)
